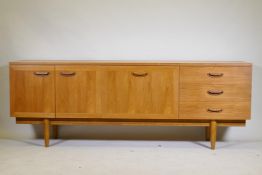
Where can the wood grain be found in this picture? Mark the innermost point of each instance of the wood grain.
(213, 134)
(32, 95)
(123, 93)
(75, 93)
(130, 122)
(234, 99)
(229, 92)
(231, 75)
(46, 131)
(116, 91)
(149, 93)
(230, 110)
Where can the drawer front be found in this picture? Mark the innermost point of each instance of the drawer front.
(215, 75)
(215, 110)
(213, 92)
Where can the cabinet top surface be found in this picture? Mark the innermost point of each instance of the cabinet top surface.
(130, 62)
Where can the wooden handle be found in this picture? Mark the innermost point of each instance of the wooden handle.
(215, 92)
(214, 110)
(41, 73)
(139, 74)
(215, 75)
(67, 73)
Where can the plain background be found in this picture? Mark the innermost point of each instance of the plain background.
(128, 30)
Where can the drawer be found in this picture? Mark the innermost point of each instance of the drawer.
(215, 92)
(216, 75)
(214, 110)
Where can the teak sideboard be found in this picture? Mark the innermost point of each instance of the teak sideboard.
(164, 93)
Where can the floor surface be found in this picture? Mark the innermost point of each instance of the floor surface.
(104, 157)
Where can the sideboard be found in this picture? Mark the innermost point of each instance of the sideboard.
(162, 93)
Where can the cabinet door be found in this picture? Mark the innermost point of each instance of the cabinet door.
(141, 92)
(120, 92)
(32, 91)
(75, 91)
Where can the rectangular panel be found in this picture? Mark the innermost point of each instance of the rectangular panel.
(213, 92)
(75, 90)
(117, 91)
(32, 91)
(139, 90)
(215, 110)
(215, 75)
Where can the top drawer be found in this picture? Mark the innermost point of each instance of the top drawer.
(216, 75)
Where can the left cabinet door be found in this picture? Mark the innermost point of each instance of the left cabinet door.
(32, 91)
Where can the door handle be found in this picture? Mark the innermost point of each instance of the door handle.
(215, 92)
(214, 110)
(215, 75)
(41, 73)
(139, 74)
(67, 73)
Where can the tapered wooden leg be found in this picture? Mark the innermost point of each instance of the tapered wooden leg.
(213, 134)
(55, 131)
(207, 130)
(46, 132)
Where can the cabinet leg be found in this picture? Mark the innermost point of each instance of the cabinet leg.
(213, 134)
(46, 132)
(207, 133)
(55, 131)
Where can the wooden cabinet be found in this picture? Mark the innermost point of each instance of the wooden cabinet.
(56, 93)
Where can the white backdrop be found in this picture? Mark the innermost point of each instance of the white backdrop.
(127, 30)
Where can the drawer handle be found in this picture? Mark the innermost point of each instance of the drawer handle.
(215, 92)
(67, 74)
(215, 75)
(214, 110)
(136, 74)
(41, 73)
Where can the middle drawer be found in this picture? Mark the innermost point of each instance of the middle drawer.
(214, 92)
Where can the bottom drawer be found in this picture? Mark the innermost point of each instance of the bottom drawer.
(214, 110)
